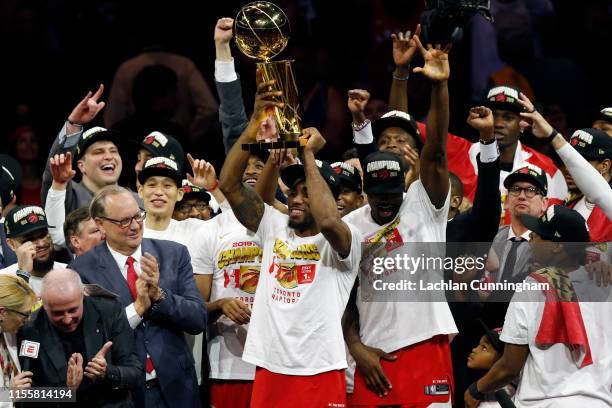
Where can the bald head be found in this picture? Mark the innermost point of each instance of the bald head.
(62, 296)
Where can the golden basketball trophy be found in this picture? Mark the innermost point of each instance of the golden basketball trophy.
(261, 31)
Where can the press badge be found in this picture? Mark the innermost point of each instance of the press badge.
(29, 349)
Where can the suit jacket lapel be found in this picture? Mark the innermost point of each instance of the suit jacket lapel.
(111, 278)
(93, 338)
(53, 347)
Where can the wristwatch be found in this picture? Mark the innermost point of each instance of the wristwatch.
(25, 275)
(163, 295)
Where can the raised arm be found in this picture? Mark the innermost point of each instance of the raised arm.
(248, 207)
(404, 48)
(232, 114)
(83, 113)
(482, 220)
(587, 178)
(434, 163)
(324, 209)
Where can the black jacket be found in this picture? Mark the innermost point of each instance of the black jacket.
(103, 320)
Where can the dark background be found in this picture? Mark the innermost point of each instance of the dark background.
(54, 51)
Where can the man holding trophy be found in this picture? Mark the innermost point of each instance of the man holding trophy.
(310, 256)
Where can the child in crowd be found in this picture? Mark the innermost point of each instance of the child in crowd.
(482, 358)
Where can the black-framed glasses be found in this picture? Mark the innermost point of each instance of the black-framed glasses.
(126, 222)
(185, 208)
(530, 192)
(26, 315)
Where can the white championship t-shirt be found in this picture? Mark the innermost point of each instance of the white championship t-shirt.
(550, 377)
(303, 289)
(391, 326)
(233, 258)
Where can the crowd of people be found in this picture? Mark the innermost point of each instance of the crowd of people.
(169, 283)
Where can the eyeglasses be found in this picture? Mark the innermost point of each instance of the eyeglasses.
(530, 192)
(26, 315)
(185, 208)
(126, 222)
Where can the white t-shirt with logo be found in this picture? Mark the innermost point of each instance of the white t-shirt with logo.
(390, 325)
(303, 289)
(233, 257)
(550, 377)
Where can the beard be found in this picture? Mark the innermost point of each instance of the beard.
(303, 225)
(42, 267)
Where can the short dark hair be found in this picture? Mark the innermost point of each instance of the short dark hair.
(350, 154)
(456, 184)
(72, 225)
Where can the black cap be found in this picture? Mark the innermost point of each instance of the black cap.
(163, 145)
(402, 120)
(290, 175)
(93, 135)
(592, 144)
(160, 166)
(10, 178)
(384, 173)
(504, 97)
(493, 336)
(348, 176)
(190, 190)
(24, 219)
(605, 114)
(531, 174)
(559, 224)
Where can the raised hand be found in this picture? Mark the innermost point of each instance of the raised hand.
(411, 156)
(481, 119)
(74, 372)
(204, 174)
(357, 100)
(61, 168)
(315, 140)
(96, 368)
(404, 47)
(436, 68)
(531, 117)
(265, 99)
(236, 310)
(267, 130)
(26, 253)
(223, 31)
(88, 108)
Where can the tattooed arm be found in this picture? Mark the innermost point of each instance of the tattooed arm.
(248, 207)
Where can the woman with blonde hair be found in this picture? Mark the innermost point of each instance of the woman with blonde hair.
(16, 301)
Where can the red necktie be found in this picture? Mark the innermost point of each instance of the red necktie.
(131, 276)
(131, 281)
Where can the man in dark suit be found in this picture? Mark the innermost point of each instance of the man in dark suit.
(73, 331)
(155, 284)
